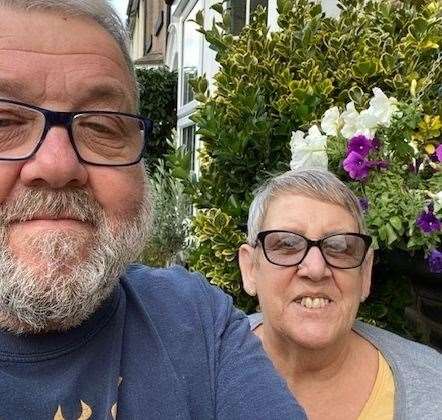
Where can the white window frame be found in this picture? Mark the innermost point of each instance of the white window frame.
(186, 109)
(183, 123)
(182, 11)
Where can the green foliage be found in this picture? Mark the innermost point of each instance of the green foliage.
(171, 208)
(270, 84)
(391, 293)
(158, 101)
(217, 242)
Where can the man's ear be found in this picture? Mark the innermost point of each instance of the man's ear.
(366, 271)
(246, 265)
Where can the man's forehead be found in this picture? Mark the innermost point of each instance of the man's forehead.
(53, 32)
(59, 47)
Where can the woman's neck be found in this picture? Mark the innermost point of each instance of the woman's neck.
(341, 375)
(291, 359)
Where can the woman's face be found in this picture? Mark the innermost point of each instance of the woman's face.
(283, 292)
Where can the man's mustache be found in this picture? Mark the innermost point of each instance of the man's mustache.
(45, 203)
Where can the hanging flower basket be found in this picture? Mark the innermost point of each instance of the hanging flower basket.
(390, 154)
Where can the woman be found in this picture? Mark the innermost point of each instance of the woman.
(309, 261)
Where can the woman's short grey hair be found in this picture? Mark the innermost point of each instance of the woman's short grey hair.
(313, 183)
(99, 10)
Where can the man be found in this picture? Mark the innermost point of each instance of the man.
(82, 333)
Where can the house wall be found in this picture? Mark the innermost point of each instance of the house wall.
(147, 23)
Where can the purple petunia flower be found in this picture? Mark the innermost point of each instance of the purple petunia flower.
(356, 166)
(361, 145)
(363, 203)
(428, 222)
(439, 152)
(434, 261)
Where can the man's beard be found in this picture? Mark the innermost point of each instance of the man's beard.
(68, 273)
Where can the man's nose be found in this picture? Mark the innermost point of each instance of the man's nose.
(314, 266)
(55, 163)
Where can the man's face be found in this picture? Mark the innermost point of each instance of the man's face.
(58, 215)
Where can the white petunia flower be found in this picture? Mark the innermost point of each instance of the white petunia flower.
(368, 123)
(310, 151)
(297, 136)
(382, 108)
(437, 200)
(350, 117)
(332, 122)
(358, 123)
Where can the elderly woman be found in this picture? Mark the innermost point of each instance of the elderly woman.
(309, 261)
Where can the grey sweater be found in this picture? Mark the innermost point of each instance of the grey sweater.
(417, 371)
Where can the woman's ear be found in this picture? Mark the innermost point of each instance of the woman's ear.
(366, 271)
(246, 265)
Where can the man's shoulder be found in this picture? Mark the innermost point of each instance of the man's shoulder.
(173, 287)
(158, 280)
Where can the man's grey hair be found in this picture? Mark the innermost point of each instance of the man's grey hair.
(98, 10)
(313, 183)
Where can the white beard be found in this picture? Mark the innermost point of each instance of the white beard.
(71, 273)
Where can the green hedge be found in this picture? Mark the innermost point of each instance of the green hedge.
(158, 101)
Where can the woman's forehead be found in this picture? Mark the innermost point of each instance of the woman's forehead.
(292, 211)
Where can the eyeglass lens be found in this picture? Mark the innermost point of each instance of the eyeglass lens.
(341, 250)
(99, 138)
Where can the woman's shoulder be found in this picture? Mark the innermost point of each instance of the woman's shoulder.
(401, 350)
(255, 320)
(417, 370)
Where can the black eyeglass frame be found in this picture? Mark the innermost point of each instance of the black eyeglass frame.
(65, 119)
(260, 238)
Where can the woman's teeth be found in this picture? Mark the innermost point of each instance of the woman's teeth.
(314, 303)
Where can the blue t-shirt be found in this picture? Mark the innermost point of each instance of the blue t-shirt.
(165, 345)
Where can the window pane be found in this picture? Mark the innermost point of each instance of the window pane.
(191, 53)
(238, 15)
(189, 144)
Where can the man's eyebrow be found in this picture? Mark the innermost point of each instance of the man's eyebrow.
(105, 93)
(14, 89)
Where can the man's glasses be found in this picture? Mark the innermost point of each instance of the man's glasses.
(98, 137)
(343, 250)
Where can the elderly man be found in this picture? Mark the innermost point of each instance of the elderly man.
(82, 333)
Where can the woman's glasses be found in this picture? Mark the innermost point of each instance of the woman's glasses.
(342, 250)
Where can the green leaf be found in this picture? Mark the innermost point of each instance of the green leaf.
(315, 10)
(199, 18)
(218, 7)
(388, 62)
(418, 27)
(391, 234)
(365, 68)
(396, 222)
(356, 94)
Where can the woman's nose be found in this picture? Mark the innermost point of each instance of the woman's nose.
(313, 266)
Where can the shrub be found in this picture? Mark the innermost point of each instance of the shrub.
(270, 84)
(170, 211)
(216, 243)
(158, 101)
